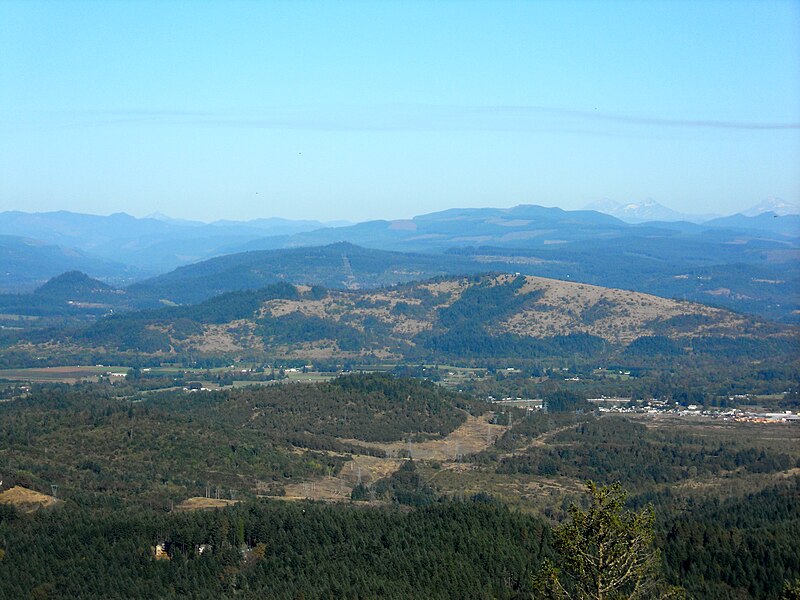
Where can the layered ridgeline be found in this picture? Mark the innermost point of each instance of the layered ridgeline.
(74, 296)
(26, 263)
(768, 290)
(468, 318)
(746, 263)
(144, 246)
(340, 265)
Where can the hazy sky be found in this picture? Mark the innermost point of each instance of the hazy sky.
(357, 110)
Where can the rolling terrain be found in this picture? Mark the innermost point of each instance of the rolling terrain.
(490, 317)
(767, 289)
(135, 247)
(28, 263)
(339, 266)
(176, 491)
(746, 263)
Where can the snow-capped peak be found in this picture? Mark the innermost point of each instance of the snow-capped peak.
(774, 205)
(640, 212)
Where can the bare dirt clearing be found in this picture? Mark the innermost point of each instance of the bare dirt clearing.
(200, 503)
(476, 434)
(27, 500)
(364, 469)
(540, 441)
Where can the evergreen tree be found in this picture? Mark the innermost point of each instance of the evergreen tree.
(605, 553)
(791, 591)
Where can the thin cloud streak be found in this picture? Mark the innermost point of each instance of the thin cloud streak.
(509, 118)
(635, 120)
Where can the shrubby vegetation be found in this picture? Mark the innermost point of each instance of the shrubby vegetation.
(297, 328)
(472, 342)
(166, 447)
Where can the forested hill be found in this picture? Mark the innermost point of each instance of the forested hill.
(456, 318)
(131, 469)
(72, 294)
(26, 263)
(739, 270)
(340, 265)
(742, 272)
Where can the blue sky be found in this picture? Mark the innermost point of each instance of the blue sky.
(360, 110)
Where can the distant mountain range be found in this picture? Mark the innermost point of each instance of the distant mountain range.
(649, 211)
(121, 248)
(751, 275)
(522, 227)
(776, 206)
(146, 246)
(745, 263)
(646, 211)
(26, 263)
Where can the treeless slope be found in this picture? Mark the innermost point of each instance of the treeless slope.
(616, 315)
(27, 500)
(476, 434)
(201, 503)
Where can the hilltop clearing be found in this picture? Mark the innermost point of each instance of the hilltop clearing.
(27, 500)
(489, 317)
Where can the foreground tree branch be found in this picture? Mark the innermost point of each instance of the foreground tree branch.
(605, 553)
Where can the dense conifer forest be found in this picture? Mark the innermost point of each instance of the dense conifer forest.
(472, 549)
(121, 460)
